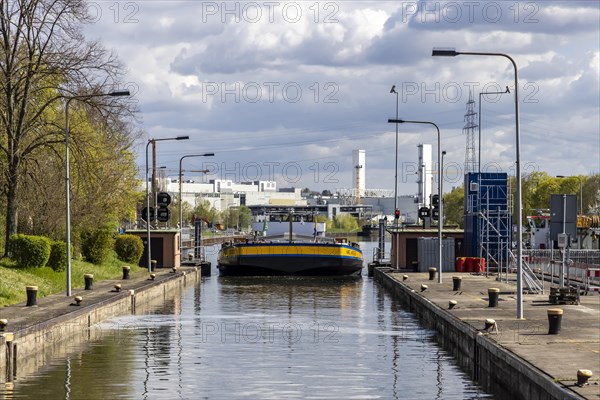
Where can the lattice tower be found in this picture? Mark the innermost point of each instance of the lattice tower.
(469, 131)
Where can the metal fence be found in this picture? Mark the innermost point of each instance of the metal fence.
(580, 266)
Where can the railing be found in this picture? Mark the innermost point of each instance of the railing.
(379, 256)
(533, 283)
(580, 267)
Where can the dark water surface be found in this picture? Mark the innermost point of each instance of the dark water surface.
(258, 338)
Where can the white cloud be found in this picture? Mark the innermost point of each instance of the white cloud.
(286, 88)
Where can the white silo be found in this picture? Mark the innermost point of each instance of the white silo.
(424, 174)
(358, 176)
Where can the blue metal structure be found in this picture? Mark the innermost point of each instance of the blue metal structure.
(487, 217)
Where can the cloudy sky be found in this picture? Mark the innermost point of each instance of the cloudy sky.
(286, 90)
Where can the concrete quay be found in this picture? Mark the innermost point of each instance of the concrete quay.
(515, 358)
(34, 335)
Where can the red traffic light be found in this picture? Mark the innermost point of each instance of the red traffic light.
(397, 214)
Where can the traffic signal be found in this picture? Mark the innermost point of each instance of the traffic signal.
(145, 214)
(163, 199)
(163, 214)
(397, 214)
(435, 203)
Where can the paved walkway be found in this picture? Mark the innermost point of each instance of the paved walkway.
(54, 306)
(576, 346)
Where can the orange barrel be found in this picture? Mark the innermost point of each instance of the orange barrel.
(478, 265)
(469, 264)
(482, 265)
(460, 264)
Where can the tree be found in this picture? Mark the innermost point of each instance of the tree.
(454, 207)
(207, 212)
(345, 222)
(44, 59)
(238, 217)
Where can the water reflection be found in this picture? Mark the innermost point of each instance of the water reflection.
(259, 338)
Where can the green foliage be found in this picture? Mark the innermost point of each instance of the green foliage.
(207, 212)
(238, 217)
(97, 245)
(345, 223)
(29, 251)
(453, 207)
(129, 248)
(58, 256)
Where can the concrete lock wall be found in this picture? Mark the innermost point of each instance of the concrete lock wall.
(33, 347)
(496, 369)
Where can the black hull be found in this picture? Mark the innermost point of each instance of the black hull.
(277, 266)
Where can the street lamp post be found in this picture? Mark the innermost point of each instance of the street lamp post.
(393, 90)
(148, 213)
(440, 177)
(395, 236)
(82, 97)
(454, 53)
(180, 203)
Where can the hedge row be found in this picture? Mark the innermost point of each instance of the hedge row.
(38, 251)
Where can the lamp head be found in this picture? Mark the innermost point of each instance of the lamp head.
(393, 90)
(120, 93)
(444, 52)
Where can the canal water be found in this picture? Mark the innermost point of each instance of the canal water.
(258, 338)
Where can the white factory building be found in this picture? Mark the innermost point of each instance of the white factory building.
(225, 193)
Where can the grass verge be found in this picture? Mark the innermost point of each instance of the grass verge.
(13, 279)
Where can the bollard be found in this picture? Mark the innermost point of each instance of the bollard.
(452, 304)
(432, 271)
(89, 281)
(582, 377)
(126, 270)
(153, 265)
(554, 320)
(489, 323)
(456, 281)
(3, 323)
(31, 295)
(493, 294)
(404, 277)
(78, 300)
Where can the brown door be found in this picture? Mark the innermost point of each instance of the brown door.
(412, 254)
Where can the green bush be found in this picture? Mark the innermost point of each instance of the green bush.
(345, 222)
(129, 248)
(97, 245)
(29, 251)
(58, 256)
